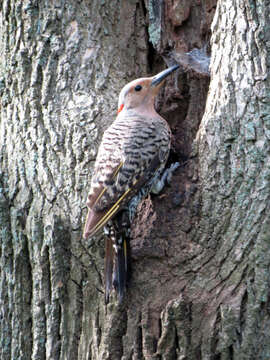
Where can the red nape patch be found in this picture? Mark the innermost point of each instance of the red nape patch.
(120, 108)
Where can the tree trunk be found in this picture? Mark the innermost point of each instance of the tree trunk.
(200, 260)
(233, 142)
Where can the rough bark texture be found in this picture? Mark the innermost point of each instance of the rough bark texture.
(233, 145)
(62, 67)
(200, 251)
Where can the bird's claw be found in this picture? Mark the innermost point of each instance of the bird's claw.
(166, 177)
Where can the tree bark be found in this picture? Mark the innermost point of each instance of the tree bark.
(199, 287)
(63, 64)
(233, 144)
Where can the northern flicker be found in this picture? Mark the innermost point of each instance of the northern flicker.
(131, 158)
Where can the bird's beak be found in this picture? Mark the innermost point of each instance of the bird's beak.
(162, 75)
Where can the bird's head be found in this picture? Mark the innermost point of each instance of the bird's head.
(142, 92)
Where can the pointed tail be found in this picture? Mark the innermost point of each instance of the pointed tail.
(109, 255)
(121, 269)
(116, 268)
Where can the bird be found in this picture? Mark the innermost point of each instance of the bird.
(129, 164)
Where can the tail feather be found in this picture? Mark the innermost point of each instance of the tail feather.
(109, 255)
(120, 271)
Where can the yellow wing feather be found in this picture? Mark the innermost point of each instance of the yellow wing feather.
(93, 216)
(108, 215)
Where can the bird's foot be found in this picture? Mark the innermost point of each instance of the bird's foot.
(132, 206)
(159, 184)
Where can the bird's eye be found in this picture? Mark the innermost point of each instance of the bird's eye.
(138, 88)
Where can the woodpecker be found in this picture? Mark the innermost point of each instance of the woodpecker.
(130, 160)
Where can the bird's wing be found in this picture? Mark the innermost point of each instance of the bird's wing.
(98, 213)
(114, 185)
(96, 218)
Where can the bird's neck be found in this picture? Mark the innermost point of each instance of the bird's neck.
(146, 108)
